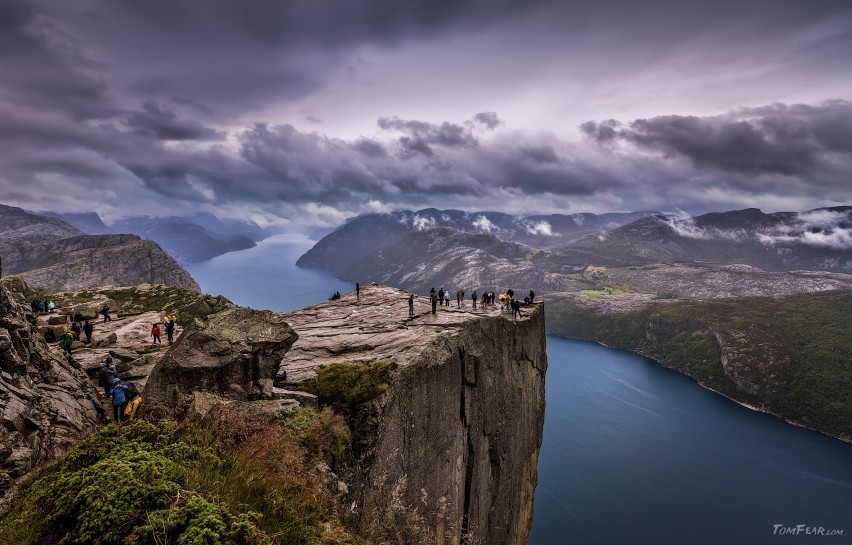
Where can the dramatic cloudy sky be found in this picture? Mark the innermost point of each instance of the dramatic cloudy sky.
(304, 112)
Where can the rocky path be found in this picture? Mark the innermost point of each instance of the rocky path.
(127, 339)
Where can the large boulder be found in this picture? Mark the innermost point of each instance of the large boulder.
(233, 354)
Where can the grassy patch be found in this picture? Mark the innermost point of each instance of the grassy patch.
(234, 481)
(343, 386)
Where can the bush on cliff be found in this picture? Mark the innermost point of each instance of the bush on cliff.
(343, 386)
(153, 484)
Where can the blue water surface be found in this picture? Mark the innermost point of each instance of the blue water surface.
(635, 453)
(266, 276)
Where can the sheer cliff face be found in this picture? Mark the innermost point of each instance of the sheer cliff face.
(449, 453)
(44, 397)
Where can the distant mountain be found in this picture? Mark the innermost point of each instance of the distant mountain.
(18, 225)
(51, 254)
(189, 241)
(226, 228)
(88, 222)
(819, 239)
(361, 236)
(419, 260)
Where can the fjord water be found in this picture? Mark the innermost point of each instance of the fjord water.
(266, 276)
(632, 452)
(636, 453)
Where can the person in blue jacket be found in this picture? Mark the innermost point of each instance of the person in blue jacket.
(119, 400)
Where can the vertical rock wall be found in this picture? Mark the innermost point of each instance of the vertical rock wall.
(45, 398)
(458, 440)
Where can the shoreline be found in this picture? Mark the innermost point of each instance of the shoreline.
(754, 408)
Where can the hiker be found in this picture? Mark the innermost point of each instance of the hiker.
(67, 339)
(458, 299)
(170, 329)
(473, 297)
(441, 296)
(134, 399)
(77, 317)
(516, 308)
(119, 400)
(51, 308)
(532, 296)
(34, 306)
(434, 300)
(447, 298)
(105, 312)
(50, 336)
(357, 290)
(42, 306)
(155, 332)
(527, 301)
(75, 328)
(110, 372)
(411, 304)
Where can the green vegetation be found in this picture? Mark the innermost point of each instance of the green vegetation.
(791, 354)
(240, 481)
(185, 303)
(346, 385)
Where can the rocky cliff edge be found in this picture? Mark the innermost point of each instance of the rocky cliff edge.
(449, 453)
(45, 398)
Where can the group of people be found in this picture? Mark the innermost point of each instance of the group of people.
(42, 306)
(169, 322)
(125, 401)
(506, 298)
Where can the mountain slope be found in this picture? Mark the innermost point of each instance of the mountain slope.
(815, 240)
(186, 241)
(51, 254)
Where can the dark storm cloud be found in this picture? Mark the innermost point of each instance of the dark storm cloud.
(41, 69)
(223, 56)
(155, 104)
(163, 124)
(488, 119)
(796, 140)
(421, 134)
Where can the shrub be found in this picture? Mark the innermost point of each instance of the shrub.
(147, 484)
(343, 386)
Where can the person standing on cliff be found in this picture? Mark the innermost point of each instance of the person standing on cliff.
(434, 300)
(110, 372)
(441, 296)
(170, 329)
(411, 304)
(458, 299)
(532, 296)
(67, 339)
(155, 332)
(87, 329)
(105, 312)
(473, 298)
(357, 290)
(119, 400)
